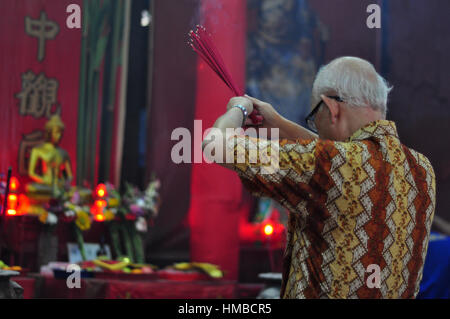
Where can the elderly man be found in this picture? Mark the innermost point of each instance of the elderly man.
(360, 202)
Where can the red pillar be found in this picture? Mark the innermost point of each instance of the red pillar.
(215, 191)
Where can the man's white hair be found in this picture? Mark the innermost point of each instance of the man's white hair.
(355, 81)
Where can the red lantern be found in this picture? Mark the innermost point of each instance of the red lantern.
(100, 191)
(99, 217)
(97, 209)
(12, 201)
(268, 229)
(11, 212)
(14, 184)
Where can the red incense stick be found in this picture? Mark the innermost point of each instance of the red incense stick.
(202, 44)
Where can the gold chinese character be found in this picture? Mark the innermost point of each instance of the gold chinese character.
(43, 30)
(38, 95)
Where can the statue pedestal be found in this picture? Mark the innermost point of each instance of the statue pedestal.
(47, 247)
(8, 288)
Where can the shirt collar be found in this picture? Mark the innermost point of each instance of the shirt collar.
(378, 129)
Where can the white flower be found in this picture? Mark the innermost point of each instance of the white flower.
(140, 202)
(52, 219)
(141, 224)
(69, 213)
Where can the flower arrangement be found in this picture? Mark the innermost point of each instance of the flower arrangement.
(71, 208)
(46, 217)
(138, 205)
(48, 213)
(76, 211)
(127, 217)
(136, 209)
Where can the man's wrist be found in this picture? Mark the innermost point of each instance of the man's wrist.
(239, 108)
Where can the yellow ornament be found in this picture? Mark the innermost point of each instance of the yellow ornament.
(36, 210)
(83, 221)
(109, 215)
(43, 215)
(113, 202)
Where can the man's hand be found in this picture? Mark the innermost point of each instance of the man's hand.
(271, 118)
(240, 100)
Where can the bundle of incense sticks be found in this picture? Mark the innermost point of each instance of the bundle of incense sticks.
(201, 43)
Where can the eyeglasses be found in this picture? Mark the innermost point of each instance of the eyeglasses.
(311, 116)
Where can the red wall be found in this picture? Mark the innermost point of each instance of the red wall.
(18, 55)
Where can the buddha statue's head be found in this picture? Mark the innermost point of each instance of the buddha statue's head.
(54, 129)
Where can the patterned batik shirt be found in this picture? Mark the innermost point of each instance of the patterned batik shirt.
(353, 206)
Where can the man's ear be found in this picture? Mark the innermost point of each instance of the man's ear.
(333, 107)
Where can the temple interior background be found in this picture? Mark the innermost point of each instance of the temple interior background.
(87, 117)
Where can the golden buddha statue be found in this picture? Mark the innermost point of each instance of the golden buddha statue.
(56, 173)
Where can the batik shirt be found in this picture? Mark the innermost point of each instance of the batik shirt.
(357, 209)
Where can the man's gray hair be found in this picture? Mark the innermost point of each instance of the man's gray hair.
(355, 81)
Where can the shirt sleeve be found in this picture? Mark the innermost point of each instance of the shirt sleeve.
(280, 169)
